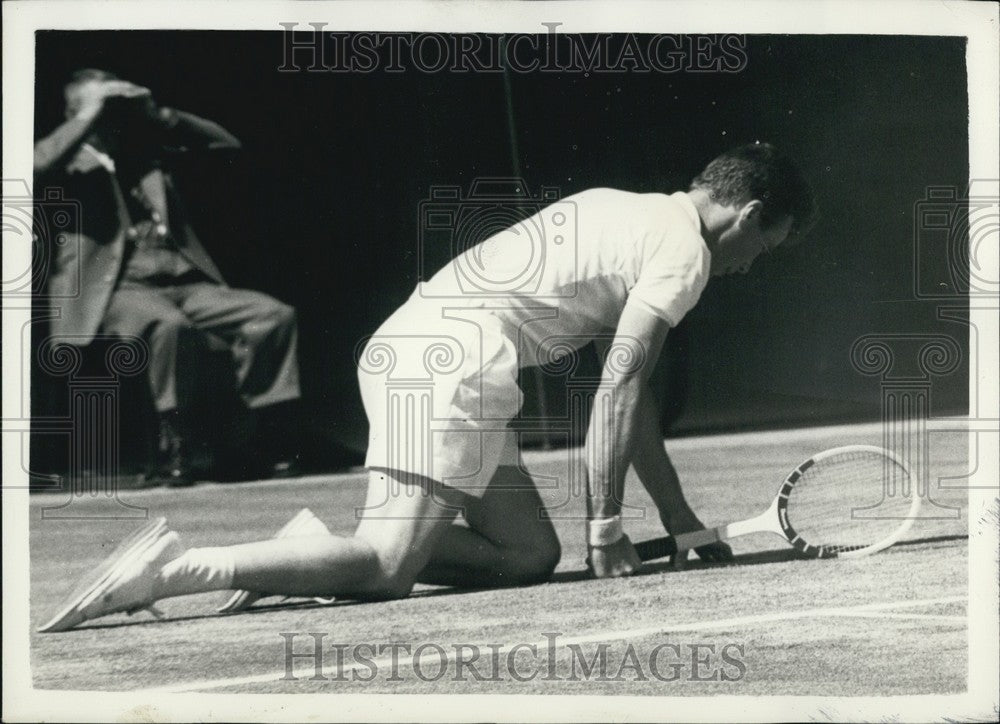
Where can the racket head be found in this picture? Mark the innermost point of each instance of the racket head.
(847, 502)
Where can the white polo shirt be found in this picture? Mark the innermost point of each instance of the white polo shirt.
(563, 276)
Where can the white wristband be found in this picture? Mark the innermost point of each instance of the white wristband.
(604, 531)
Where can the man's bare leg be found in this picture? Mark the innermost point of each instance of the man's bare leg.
(406, 534)
(408, 522)
(405, 518)
(508, 540)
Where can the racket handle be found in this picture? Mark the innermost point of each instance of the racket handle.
(650, 550)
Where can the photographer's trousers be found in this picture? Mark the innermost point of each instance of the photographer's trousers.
(177, 320)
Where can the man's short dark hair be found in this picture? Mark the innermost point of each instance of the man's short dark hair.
(757, 171)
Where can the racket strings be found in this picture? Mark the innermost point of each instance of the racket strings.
(850, 500)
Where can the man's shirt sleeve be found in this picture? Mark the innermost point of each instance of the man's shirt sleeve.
(673, 273)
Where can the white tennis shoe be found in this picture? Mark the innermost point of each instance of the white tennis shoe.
(124, 582)
(304, 523)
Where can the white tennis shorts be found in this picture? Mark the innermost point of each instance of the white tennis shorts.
(439, 386)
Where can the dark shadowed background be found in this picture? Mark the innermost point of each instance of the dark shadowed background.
(320, 208)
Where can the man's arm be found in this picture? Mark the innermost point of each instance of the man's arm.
(658, 476)
(614, 432)
(53, 151)
(182, 130)
(186, 131)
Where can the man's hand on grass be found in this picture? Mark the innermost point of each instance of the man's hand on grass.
(683, 520)
(614, 560)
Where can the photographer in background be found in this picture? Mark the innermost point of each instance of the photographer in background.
(142, 272)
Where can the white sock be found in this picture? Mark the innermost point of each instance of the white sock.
(198, 570)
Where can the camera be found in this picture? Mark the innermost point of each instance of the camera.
(52, 226)
(956, 241)
(498, 236)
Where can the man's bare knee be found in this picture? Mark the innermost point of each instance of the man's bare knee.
(537, 563)
(547, 558)
(399, 560)
(389, 587)
(405, 516)
(391, 573)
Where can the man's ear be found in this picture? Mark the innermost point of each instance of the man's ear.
(751, 211)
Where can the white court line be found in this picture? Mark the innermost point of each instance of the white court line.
(903, 616)
(337, 671)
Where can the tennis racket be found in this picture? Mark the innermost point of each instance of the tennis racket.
(846, 502)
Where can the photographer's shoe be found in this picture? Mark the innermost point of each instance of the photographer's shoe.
(304, 523)
(124, 582)
(174, 467)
